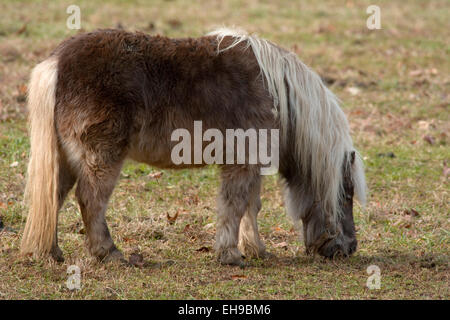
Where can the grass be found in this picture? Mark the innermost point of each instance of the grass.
(402, 81)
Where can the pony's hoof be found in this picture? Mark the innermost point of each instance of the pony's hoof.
(263, 255)
(337, 249)
(115, 256)
(57, 254)
(266, 255)
(253, 251)
(231, 257)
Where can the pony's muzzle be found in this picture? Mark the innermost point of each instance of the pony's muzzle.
(340, 246)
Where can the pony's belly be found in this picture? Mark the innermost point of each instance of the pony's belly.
(155, 156)
(158, 156)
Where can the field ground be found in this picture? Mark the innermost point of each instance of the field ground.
(395, 88)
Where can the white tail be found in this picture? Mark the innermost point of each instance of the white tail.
(321, 127)
(43, 169)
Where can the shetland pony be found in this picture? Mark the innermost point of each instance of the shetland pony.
(108, 95)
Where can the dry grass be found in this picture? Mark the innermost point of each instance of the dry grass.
(400, 105)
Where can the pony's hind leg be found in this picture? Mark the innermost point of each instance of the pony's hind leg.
(95, 141)
(250, 243)
(94, 188)
(237, 185)
(65, 184)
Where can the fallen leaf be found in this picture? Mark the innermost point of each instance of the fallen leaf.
(191, 200)
(423, 125)
(136, 259)
(203, 249)
(402, 223)
(238, 277)
(22, 29)
(412, 213)
(3, 205)
(21, 93)
(282, 245)
(446, 170)
(429, 139)
(157, 235)
(387, 155)
(23, 89)
(174, 23)
(415, 73)
(172, 219)
(150, 26)
(326, 29)
(209, 226)
(353, 90)
(14, 164)
(155, 175)
(278, 229)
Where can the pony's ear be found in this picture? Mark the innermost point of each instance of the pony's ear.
(352, 157)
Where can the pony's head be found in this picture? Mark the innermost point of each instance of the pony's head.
(321, 171)
(333, 237)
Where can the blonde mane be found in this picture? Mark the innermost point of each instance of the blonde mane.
(322, 132)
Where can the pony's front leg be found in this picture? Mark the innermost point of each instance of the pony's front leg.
(250, 243)
(233, 201)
